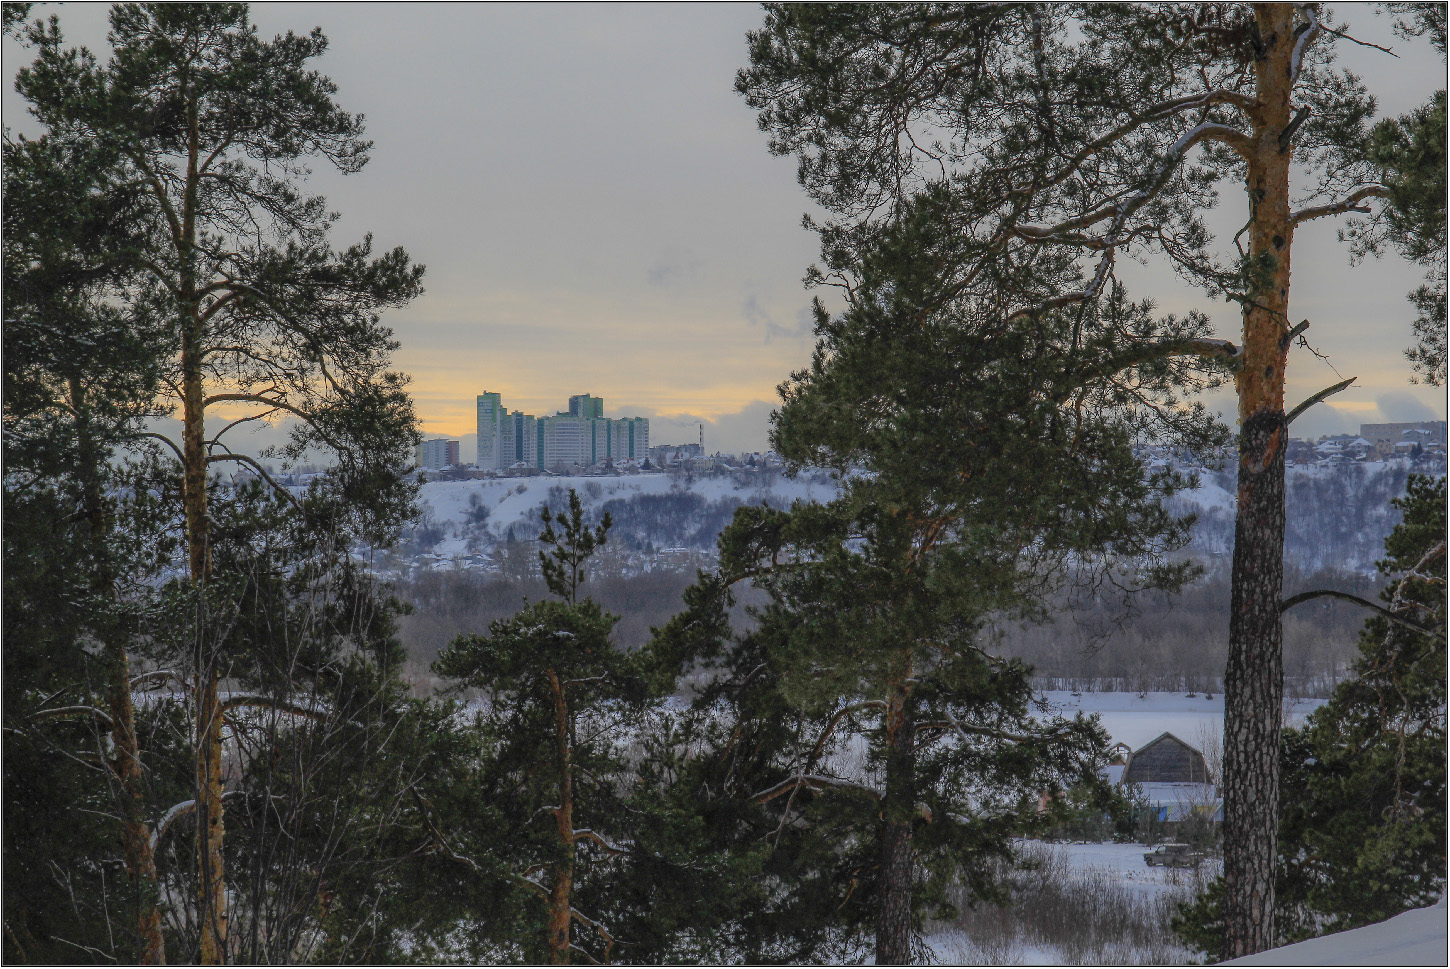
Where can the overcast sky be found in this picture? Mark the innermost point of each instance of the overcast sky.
(598, 213)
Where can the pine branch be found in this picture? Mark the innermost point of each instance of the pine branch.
(831, 726)
(162, 675)
(1293, 601)
(312, 711)
(1316, 398)
(158, 830)
(811, 782)
(82, 710)
(592, 835)
(1350, 203)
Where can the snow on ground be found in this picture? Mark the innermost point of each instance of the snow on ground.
(1135, 719)
(1125, 864)
(1415, 938)
(1089, 867)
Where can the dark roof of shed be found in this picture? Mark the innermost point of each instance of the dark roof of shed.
(1189, 766)
(1167, 735)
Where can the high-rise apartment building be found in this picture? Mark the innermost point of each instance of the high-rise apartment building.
(494, 445)
(582, 405)
(581, 436)
(437, 453)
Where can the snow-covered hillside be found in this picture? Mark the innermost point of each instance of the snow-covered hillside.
(1338, 515)
(464, 523)
(1414, 938)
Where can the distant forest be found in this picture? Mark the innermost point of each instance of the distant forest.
(1169, 643)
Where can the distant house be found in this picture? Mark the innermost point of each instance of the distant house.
(1173, 777)
(1166, 760)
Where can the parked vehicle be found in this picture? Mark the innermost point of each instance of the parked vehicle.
(1174, 856)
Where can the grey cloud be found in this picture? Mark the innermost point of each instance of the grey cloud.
(1401, 406)
(673, 268)
(757, 315)
(747, 429)
(1320, 420)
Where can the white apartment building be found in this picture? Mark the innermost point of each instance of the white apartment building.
(437, 453)
(581, 437)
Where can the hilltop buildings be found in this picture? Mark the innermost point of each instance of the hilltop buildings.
(581, 436)
(1388, 439)
(437, 453)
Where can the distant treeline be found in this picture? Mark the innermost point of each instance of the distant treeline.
(1169, 643)
(1179, 642)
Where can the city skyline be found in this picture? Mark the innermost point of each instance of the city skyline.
(600, 210)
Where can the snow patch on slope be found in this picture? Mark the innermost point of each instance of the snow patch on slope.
(1414, 938)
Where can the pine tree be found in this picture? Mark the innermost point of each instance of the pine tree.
(81, 368)
(1363, 834)
(210, 128)
(881, 604)
(557, 693)
(1410, 151)
(1072, 135)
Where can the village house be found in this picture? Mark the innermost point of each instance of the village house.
(1173, 777)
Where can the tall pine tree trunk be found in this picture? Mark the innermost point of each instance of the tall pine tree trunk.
(211, 829)
(211, 826)
(126, 763)
(560, 906)
(1254, 675)
(898, 814)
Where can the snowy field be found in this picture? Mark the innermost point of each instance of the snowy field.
(1088, 904)
(1135, 719)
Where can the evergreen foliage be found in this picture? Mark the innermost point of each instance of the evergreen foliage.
(876, 640)
(1362, 836)
(1411, 152)
(80, 371)
(169, 263)
(1051, 139)
(557, 695)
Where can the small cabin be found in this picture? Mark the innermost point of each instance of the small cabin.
(1166, 760)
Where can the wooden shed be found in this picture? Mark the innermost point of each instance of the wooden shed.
(1166, 760)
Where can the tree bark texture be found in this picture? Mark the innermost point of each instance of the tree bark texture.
(1254, 675)
(560, 907)
(126, 762)
(211, 825)
(898, 814)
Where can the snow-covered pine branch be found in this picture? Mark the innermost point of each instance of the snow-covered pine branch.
(590, 834)
(811, 782)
